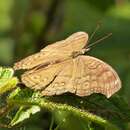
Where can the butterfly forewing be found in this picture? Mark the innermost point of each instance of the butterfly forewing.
(56, 52)
(75, 42)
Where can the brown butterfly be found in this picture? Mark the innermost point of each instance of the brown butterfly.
(62, 67)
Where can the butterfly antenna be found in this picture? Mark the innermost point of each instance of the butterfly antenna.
(99, 40)
(94, 32)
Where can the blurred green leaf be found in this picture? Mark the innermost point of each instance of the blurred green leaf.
(5, 19)
(37, 22)
(23, 21)
(6, 50)
(5, 6)
(24, 113)
(7, 81)
(121, 11)
(5, 23)
(27, 97)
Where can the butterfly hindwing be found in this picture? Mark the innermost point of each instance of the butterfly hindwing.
(100, 78)
(39, 77)
(62, 83)
(83, 76)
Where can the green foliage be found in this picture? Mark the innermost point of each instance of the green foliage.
(24, 113)
(92, 112)
(7, 82)
(24, 97)
(29, 25)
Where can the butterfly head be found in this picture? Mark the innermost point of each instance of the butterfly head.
(81, 52)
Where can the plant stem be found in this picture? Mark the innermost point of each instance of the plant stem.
(51, 106)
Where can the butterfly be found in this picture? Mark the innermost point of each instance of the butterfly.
(61, 67)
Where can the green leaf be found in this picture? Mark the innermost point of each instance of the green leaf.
(26, 97)
(7, 81)
(24, 113)
(114, 109)
(67, 120)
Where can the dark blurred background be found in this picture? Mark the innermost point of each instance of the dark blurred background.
(26, 26)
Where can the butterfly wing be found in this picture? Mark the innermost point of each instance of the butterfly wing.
(83, 76)
(99, 77)
(58, 51)
(40, 77)
(74, 42)
(63, 81)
